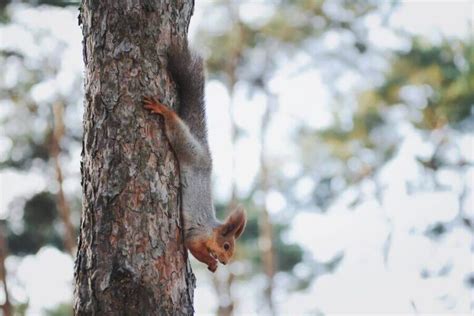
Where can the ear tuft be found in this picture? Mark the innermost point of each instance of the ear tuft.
(235, 222)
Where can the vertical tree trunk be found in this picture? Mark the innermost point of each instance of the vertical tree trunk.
(6, 307)
(224, 279)
(131, 259)
(63, 205)
(265, 224)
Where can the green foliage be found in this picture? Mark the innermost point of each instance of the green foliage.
(40, 210)
(235, 52)
(251, 52)
(20, 309)
(27, 125)
(40, 215)
(436, 81)
(444, 73)
(57, 3)
(26, 150)
(63, 309)
(288, 254)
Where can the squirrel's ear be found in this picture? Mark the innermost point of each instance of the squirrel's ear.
(242, 224)
(235, 223)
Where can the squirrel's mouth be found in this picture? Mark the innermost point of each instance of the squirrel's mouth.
(215, 257)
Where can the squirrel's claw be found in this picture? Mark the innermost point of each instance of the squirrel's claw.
(153, 105)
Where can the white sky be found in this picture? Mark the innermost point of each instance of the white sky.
(365, 227)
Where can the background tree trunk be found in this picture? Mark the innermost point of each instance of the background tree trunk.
(63, 205)
(131, 259)
(6, 307)
(265, 225)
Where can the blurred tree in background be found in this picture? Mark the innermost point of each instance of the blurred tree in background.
(249, 52)
(426, 93)
(40, 96)
(429, 86)
(38, 91)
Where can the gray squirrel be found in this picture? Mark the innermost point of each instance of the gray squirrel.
(208, 239)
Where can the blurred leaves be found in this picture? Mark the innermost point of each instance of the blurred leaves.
(251, 49)
(58, 3)
(34, 78)
(444, 77)
(39, 226)
(434, 83)
(60, 310)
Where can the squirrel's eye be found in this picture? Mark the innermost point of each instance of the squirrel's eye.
(226, 246)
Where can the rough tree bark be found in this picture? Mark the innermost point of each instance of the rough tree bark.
(131, 259)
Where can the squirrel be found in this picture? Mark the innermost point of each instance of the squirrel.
(207, 238)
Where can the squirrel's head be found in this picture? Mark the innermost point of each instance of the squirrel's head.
(222, 244)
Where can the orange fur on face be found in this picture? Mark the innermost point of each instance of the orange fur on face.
(220, 245)
(223, 238)
(201, 252)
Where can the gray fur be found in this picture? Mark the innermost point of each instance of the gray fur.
(189, 141)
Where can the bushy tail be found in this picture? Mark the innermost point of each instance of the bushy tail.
(187, 72)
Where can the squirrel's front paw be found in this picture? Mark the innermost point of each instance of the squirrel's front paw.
(212, 266)
(154, 106)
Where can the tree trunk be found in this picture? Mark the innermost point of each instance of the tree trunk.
(6, 307)
(265, 224)
(131, 258)
(63, 205)
(224, 279)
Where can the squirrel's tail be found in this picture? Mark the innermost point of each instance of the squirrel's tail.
(187, 72)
